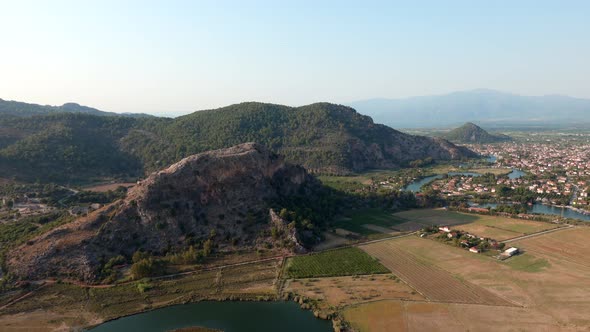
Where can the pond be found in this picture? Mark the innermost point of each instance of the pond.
(545, 209)
(228, 316)
(515, 174)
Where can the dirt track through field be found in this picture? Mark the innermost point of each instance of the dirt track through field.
(434, 283)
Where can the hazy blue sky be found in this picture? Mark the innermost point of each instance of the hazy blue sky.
(181, 56)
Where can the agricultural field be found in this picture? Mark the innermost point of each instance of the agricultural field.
(342, 291)
(434, 283)
(338, 262)
(364, 222)
(429, 217)
(527, 262)
(70, 306)
(495, 227)
(571, 245)
(549, 290)
(395, 315)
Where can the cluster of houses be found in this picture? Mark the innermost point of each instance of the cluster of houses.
(561, 168)
(469, 241)
(459, 185)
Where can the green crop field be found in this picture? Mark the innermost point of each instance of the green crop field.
(378, 217)
(340, 262)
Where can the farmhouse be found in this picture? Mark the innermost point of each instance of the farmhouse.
(474, 250)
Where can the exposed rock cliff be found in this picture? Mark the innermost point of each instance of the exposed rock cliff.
(226, 192)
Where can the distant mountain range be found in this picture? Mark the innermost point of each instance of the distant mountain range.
(472, 133)
(20, 109)
(491, 107)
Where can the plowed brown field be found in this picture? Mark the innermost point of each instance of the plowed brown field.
(433, 282)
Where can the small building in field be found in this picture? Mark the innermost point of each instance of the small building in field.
(445, 229)
(474, 250)
(510, 251)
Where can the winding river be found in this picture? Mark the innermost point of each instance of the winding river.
(416, 186)
(515, 174)
(546, 209)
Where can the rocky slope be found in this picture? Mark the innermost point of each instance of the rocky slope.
(472, 133)
(227, 192)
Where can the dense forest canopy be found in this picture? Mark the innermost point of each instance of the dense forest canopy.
(77, 147)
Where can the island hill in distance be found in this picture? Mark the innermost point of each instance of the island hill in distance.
(470, 133)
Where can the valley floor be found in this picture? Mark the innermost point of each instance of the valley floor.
(431, 285)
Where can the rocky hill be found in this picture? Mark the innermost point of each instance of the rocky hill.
(322, 137)
(472, 133)
(224, 195)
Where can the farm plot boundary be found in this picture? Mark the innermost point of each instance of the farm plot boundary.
(434, 283)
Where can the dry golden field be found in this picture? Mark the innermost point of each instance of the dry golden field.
(431, 281)
(572, 245)
(548, 285)
(342, 291)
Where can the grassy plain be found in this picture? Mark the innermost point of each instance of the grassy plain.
(527, 263)
(338, 262)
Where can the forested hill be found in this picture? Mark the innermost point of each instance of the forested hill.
(472, 133)
(323, 137)
(20, 109)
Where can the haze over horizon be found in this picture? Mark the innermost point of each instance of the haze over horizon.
(156, 58)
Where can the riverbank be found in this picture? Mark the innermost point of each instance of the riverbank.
(564, 211)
